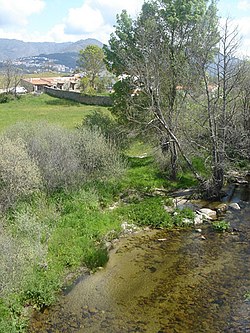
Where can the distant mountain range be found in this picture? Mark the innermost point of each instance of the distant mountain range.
(14, 49)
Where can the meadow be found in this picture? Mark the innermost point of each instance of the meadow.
(44, 108)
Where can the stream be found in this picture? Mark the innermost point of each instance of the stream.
(164, 282)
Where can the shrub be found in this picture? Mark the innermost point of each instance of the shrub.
(11, 318)
(162, 161)
(107, 126)
(19, 175)
(24, 236)
(183, 218)
(52, 148)
(22, 248)
(17, 258)
(66, 158)
(97, 157)
(40, 290)
(221, 226)
(5, 98)
(247, 296)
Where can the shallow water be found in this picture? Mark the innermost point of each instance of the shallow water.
(163, 282)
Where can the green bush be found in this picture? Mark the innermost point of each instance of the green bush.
(17, 258)
(41, 288)
(5, 98)
(183, 218)
(149, 212)
(96, 257)
(24, 243)
(221, 226)
(12, 320)
(247, 296)
(107, 125)
(19, 174)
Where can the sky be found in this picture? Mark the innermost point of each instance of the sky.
(72, 20)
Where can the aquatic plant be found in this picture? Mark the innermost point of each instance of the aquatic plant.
(221, 226)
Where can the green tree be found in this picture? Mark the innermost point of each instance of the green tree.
(154, 54)
(91, 62)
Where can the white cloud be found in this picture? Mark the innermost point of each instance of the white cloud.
(15, 13)
(84, 20)
(243, 28)
(244, 31)
(132, 6)
(244, 4)
(94, 19)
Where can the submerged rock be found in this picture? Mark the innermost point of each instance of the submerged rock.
(221, 208)
(182, 203)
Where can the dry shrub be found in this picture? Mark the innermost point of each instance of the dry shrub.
(24, 238)
(98, 158)
(19, 175)
(67, 158)
(52, 147)
(18, 256)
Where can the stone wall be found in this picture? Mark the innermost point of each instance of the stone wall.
(78, 97)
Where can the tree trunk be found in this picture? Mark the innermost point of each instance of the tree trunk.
(174, 157)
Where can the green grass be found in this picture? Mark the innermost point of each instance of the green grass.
(44, 108)
(78, 222)
(247, 296)
(142, 175)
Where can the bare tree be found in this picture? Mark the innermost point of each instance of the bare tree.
(12, 76)
(222, 81)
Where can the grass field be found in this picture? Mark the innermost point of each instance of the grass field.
(43, 107)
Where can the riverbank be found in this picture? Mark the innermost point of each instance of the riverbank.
(47, 240)
(163, 281)
(81, 228)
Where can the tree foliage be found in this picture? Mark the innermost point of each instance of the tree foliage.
(91, 62)
(154, 57)
(180, 84)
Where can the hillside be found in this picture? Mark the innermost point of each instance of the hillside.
(14, 49)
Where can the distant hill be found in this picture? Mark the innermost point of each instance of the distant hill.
(67, 59)
(13, 49)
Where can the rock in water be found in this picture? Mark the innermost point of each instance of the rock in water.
(221, 208)
(208, 213)
(234, 205)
